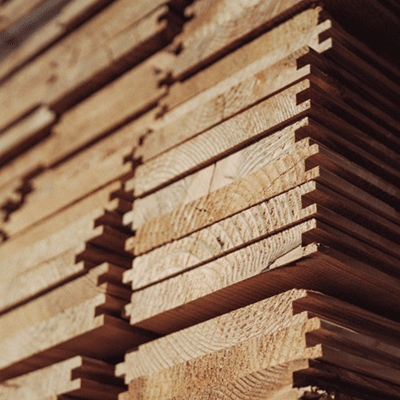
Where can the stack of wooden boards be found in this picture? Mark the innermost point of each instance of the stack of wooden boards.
(200, 200)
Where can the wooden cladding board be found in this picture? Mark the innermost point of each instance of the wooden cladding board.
(281, 330)
(77, 376)
(199, 200)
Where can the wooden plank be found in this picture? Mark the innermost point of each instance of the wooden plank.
(223, 172)
(166, 199)
(267, 316)
(254, 157)
(58, 188)
(159, 230)
(243, 89)
(41, 259)
(70, 377)
(249, 125)
(19, 287)
(97, 200)
(76, 67)
(25, 134)
(54, 149)
(60, 299)
(273, 383)
(82, 329)
(220, 26)
(173, 309)
(182, 159)
(257, 222)
(220, 238)
(277, 43)
(222, 285)
(74, 234)
(79, 376)
(230, 364)
(263, 351)
(111, 106)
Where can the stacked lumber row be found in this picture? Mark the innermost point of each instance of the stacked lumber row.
(290, 342)
(210, 155)
(283, 175)
(64, 164)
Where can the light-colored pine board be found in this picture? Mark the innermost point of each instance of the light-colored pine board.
(277, 43)
(265, 219)
(243, 89)
(82, 329)
(227, 23)
(90, 204)
(224, 236)
(24, 134)
(19, 287)
(69, 16)
(70, 377)
(160, 230)
(50, 253)
(223, 172)
(273, 383)
(277, 177)
(311, 267)
(111, 106)
(216, 142)
(165, 199)
(266, 350)
(60, 299)
(84, 60)
(231, 363)
(267, 316)
(166, 305)
(61, 187)
(254, 157)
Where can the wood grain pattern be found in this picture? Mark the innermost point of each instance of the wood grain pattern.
(60, 299)
(69, 377)
(277, 177)
(330, 252)
(249, 85)
(277, 43)
(48, 258)
(97, 200)
(224, 236)
(177, 295)
(262, 219)
(227, 364)
(111, 106)
(61, 187)
(216, 142)
(177, 378)
(226, 25)
(223, 172)
(267, 316)
(71, 333)
(275, 382)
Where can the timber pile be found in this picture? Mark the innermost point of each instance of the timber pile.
(199, 199)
